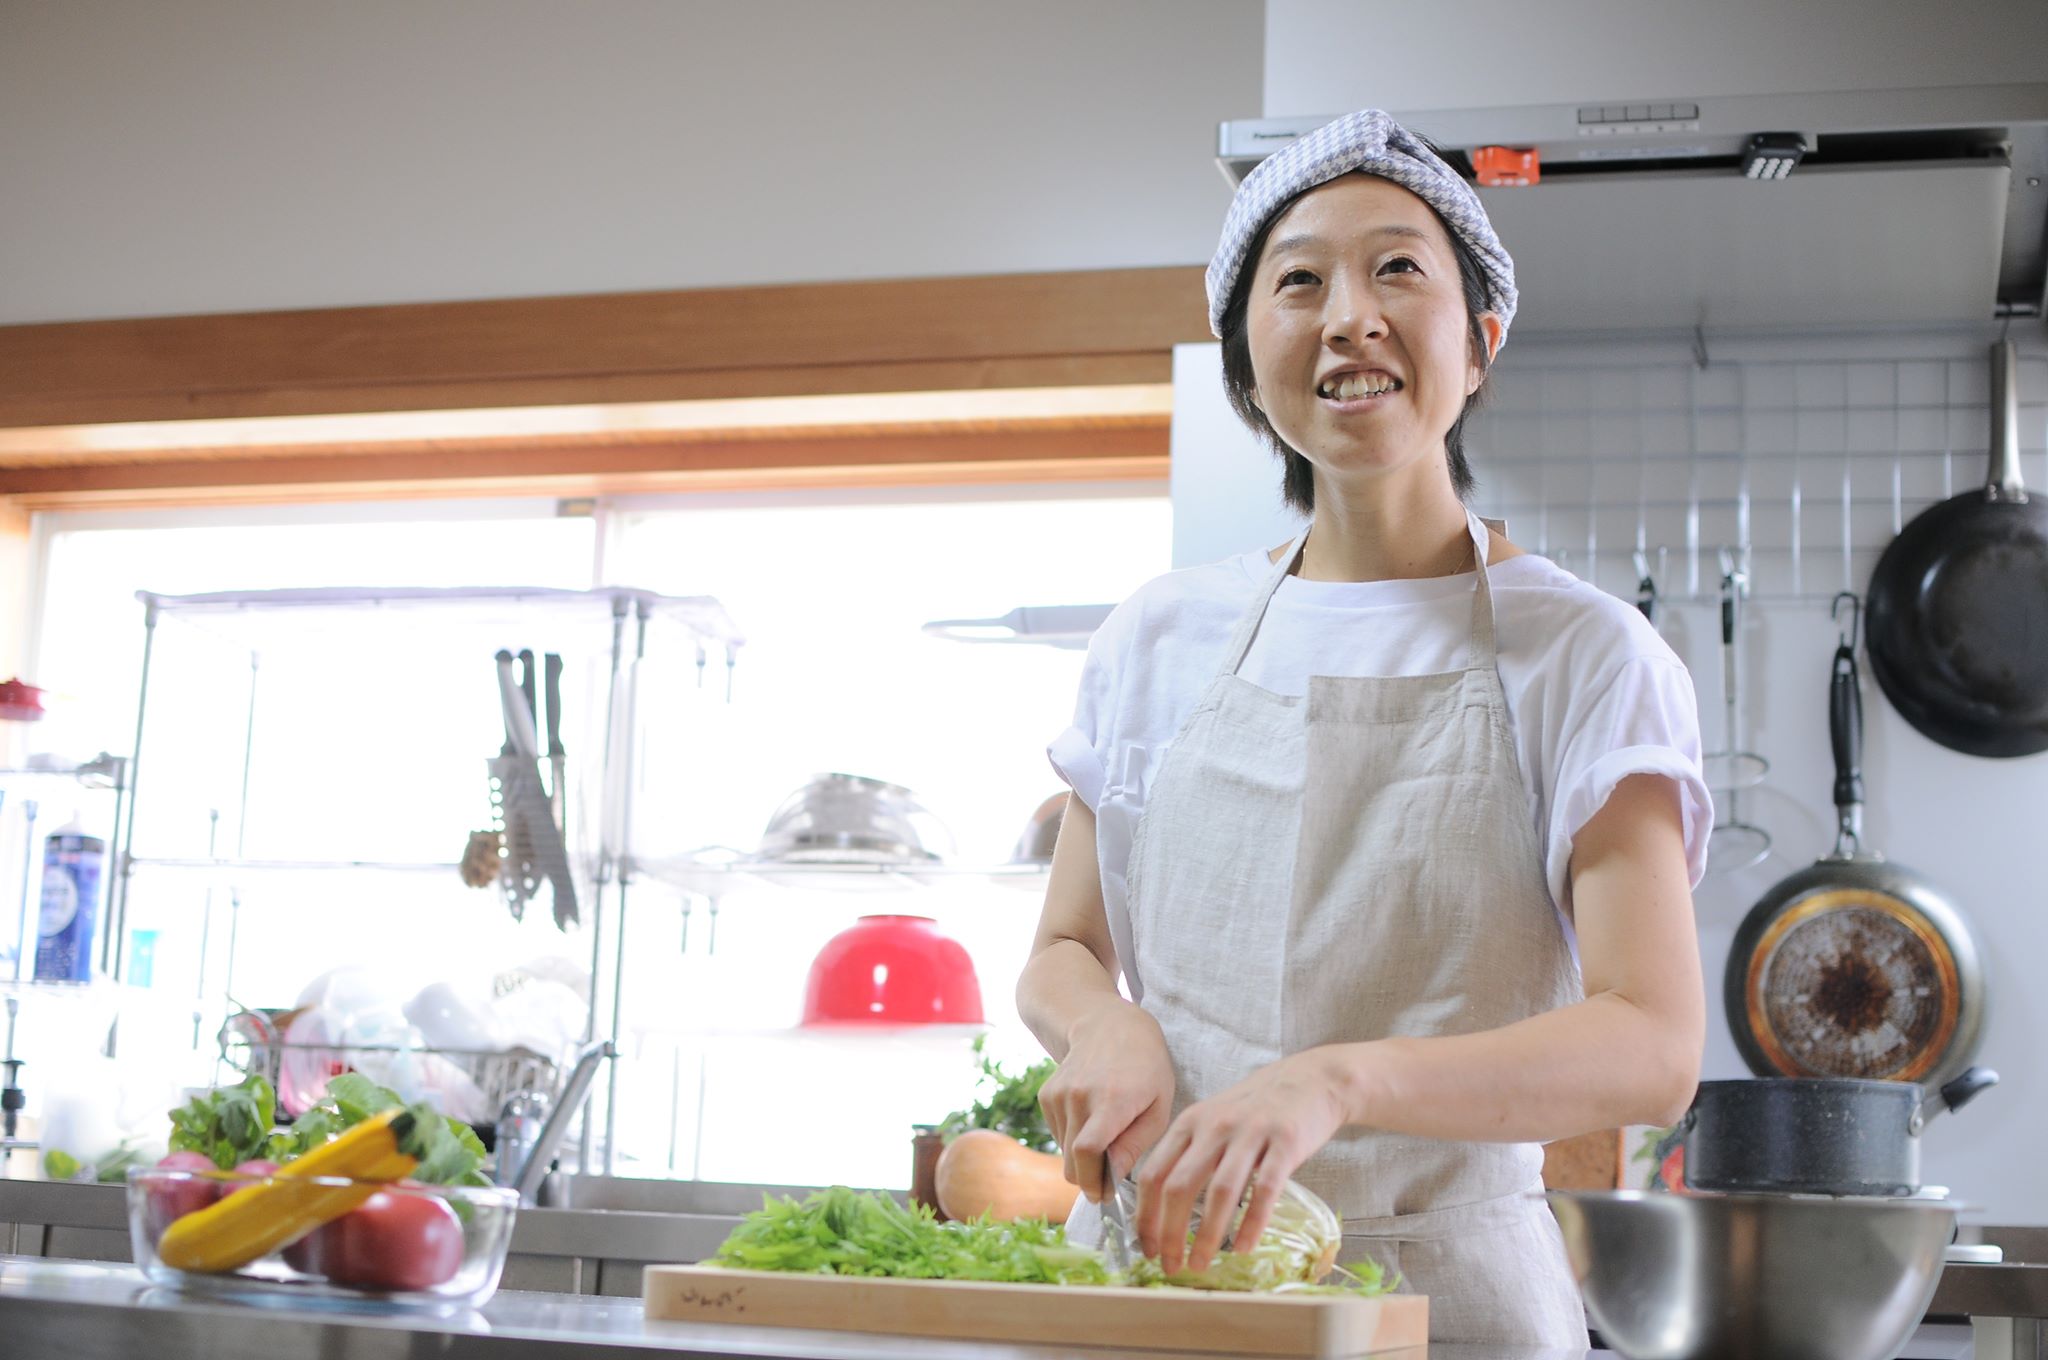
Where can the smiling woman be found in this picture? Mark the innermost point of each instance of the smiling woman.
(1404, 240)
(1389, 831)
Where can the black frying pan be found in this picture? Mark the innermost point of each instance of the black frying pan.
(1854, 966)
(1957, 618)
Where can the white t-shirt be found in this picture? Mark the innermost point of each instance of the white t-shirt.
(1594, 695)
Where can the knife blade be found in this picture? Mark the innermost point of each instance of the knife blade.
(1116, 1220)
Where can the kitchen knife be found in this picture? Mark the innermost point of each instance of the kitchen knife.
(508, 769)
(558, 756)
(548, 854)
(1116, 1220)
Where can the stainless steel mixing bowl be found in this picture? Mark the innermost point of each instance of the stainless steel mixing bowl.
(851, 819)
(1760, 1277)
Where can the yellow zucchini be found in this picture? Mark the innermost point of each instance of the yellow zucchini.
(256, 1221)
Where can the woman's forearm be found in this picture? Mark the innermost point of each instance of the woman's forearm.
(1061, 989)
(1598, 1064)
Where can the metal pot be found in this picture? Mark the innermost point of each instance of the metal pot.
(1815, 1135)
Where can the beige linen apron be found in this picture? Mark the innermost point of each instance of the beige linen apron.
(1350, 865)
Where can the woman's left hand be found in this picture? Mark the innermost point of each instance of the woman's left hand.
(1261, 1129)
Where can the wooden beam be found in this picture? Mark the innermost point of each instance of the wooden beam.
(1024, 330)
(660, 482)
(861, 415)
(501, 468)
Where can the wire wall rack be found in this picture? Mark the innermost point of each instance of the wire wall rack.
(1648, 472)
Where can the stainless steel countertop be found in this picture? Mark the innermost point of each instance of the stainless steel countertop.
(83, 1309)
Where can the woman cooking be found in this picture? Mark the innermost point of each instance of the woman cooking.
(1391, 831)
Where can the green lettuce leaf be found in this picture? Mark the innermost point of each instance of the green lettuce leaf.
(838, 1231)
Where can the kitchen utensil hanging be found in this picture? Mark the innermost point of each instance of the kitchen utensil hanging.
(534, 849)
(1854, 967)
(1646, 588)
(1958, 626)
(1735, 844)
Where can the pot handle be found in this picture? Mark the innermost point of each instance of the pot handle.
(1955, 1094)
(1845, 734)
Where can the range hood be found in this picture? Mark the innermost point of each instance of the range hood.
(1860, 208)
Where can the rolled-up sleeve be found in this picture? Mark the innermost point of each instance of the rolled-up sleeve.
(1079, 755)
(1644, 721)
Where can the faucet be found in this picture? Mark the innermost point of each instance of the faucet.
(527, 1140)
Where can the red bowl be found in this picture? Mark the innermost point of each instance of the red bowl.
(892, 970)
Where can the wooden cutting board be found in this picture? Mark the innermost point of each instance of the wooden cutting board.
(1316, 1326)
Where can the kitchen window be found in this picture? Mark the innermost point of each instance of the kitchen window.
(360, 753)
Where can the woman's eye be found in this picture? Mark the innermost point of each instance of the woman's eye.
(1296, 276)
(1401, 259)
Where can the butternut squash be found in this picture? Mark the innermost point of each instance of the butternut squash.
(983, 1171)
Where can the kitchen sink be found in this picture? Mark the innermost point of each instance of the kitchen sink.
(565, 1190)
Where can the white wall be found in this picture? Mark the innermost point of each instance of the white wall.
(1581, 443)
(227, 155)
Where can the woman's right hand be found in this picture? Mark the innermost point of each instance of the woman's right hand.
(1112, 1095)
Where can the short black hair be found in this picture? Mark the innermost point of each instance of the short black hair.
(1240, 385)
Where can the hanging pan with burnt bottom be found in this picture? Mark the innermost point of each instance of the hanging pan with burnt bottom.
(1854, 974)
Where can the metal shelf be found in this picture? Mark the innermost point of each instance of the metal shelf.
(712, 878)
(235, 866)
(629, 626)
(104, 771)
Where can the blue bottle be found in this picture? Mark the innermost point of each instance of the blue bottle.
(72, 862)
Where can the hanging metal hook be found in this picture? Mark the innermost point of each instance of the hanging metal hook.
(1851, 638)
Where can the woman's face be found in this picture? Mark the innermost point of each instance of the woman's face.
(1357, 330)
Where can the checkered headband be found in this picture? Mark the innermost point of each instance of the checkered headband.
(1372, 142)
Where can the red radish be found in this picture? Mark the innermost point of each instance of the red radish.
(173, 1198)
(255, 1166)
(306, 1254)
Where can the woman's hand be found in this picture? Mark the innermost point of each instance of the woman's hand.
(1261, 1129)
(1112, 1095)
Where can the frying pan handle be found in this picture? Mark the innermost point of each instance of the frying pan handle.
(1845, 733)
(2005, 483)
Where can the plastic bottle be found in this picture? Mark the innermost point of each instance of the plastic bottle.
(72, 869)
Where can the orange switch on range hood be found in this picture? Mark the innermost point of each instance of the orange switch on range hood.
(1502, 166)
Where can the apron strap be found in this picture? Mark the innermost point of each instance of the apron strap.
(1248, 624)
(1484, 651)
(1482, 635)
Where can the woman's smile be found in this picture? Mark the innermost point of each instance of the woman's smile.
(1357, 295)
(1354, 389)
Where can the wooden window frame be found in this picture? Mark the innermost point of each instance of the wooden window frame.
(1024, 377)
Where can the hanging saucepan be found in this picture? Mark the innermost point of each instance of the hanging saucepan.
(1852, 968)
(1959, 605)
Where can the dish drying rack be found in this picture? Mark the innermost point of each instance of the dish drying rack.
(498, 1074)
